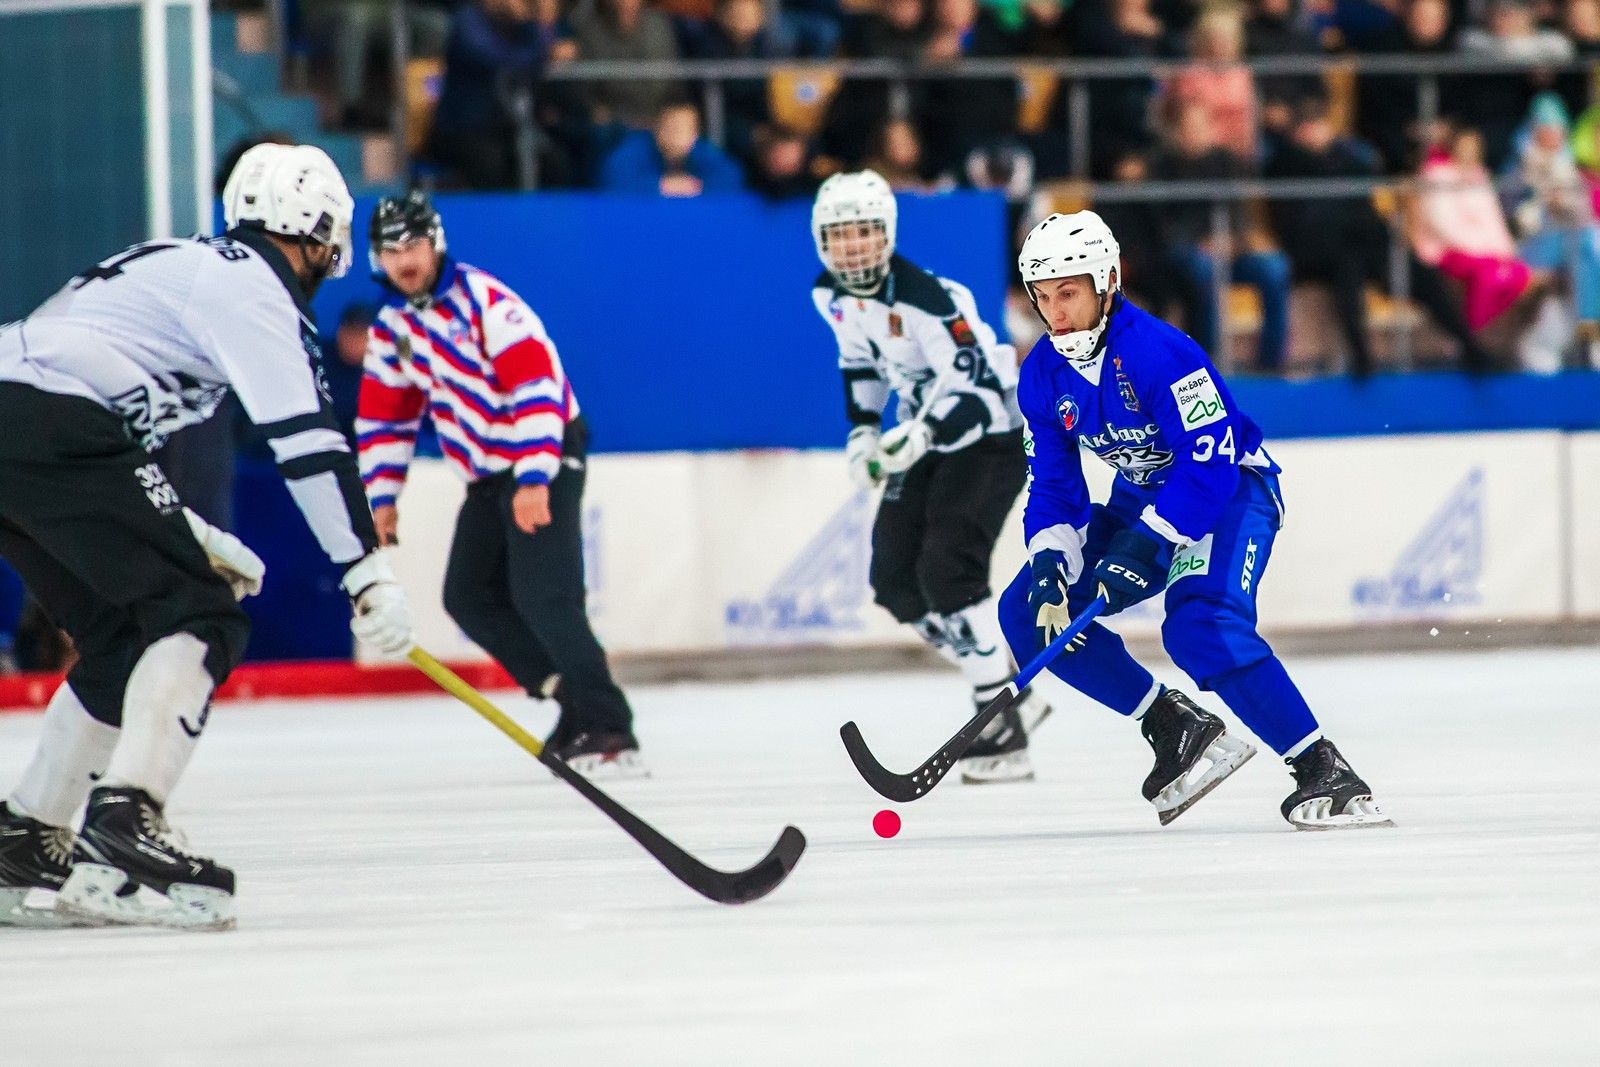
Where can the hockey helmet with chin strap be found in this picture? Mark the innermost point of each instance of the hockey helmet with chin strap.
(1068, 246)
(844, 202)
(398, 219)
(292, 191)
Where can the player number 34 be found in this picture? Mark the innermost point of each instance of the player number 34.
(1205, 446)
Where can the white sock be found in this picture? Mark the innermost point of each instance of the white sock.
(1149, 699)
(974, 635)
(162, 716)
(73, 752)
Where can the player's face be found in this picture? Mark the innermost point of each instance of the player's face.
(409, 265)
(1068, 305)
(855, 246)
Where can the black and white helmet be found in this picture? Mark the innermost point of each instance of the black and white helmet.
(293, 191)
(846, 200)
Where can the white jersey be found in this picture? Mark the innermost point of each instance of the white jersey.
(160, 332)
(921, 336)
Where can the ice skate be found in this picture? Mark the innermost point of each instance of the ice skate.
(604, 755)
(35, 859)
(1194, 753)
(1330, 795)
(134, 869)
(1000, 754)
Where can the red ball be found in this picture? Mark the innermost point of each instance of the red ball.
(886, 823)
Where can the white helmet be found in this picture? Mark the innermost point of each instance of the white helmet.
(1066, 246)
(860, 197)
(295, 191)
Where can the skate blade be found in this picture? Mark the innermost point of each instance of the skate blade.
(15, 910)
(92, 894)
(1362, 813)
(623, 767)
(997, 770)
(1223, 756)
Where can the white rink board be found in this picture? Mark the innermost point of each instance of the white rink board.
(691, 552)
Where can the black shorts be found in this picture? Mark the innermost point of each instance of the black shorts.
(934, 536)
(97, 533)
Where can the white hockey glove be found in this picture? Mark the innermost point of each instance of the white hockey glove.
(381, 616)
(861, 451)
(230, 557)
(903, 446)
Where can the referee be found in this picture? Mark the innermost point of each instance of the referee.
(457, 344)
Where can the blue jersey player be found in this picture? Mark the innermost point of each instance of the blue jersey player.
(1194, 511)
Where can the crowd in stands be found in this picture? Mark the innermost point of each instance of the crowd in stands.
(1499, 225)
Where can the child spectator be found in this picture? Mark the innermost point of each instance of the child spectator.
(673, 160)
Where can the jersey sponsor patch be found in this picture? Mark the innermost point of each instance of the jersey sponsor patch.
(897, 325)
(1187, 562)
(961, 331)
(1027, 444)
(1067, 409)
(1199, 403)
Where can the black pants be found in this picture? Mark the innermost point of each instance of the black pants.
(937, 525)
(90, 522)
(521, 597)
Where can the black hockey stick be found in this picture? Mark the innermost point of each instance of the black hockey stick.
(724, 887)
(904, 788)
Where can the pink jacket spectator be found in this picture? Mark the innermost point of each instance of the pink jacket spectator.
(1229, 95)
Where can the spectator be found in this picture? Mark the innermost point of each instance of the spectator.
(342, 356)
(782, 168)
(1218, 82)
(1580, 20)
(1386, 110)
(355, 29)
(1197, 251)
(1045, 29)
(625, 30)
(1141, 229)
(1458, 226)
(1344, 243)
(1497, 102)
(1552, 207)
(897, 30)
(960, 114)
(810, 28)
(673, 160)
(1274, 30)
(739, 31)
(497, 48)
(1118, 107)
(896, 153)
(1586, 152)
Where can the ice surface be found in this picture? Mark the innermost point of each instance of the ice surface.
(415, 890)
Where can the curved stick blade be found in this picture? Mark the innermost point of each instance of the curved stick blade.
(900, 788)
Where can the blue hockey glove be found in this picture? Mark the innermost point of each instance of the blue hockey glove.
(1047, 598)
(1130, 571)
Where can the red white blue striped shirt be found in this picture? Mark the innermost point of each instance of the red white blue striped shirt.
(479, 362)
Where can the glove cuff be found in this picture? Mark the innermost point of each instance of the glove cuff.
(372, 569)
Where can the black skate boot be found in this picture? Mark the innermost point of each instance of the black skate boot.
(1194, 753)
(33, 855)
(126, 846)
(1330, 796)
(1000, 753)
(604, 755)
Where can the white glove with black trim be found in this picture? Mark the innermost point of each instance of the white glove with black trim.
(381, 618)
(861, 451)
(230, 557)
(903, 446)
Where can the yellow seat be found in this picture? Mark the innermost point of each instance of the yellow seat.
(1037, 91)
(798, 97)
(1340, 81)
(424, 81)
